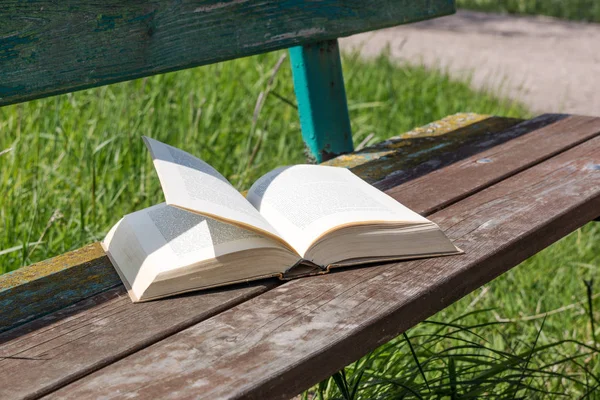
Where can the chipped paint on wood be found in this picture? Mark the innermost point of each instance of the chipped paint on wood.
(376, 162)
(217, 6)
(443, 126)
(302, 33)
(47, 286)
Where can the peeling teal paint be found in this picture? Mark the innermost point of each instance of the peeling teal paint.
(106, 22)
(79, 45)
(11, 46)
(321, 97)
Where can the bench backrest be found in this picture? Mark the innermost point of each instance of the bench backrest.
(49, 47)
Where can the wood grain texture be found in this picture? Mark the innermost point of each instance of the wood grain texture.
(472, 174)
(417, 152)
(54, 350)
(451, 148)
(50, 285)
(289, 338)
(49, 47)
(44, 368)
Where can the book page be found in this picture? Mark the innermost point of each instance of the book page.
(193, 185)
(164, 238)
(304, 202)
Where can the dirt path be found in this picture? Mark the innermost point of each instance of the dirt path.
(550, 65)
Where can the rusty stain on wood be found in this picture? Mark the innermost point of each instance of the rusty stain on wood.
(51, 266)
(445, 125)
(501, 161)
(395, 155)
(460, 125)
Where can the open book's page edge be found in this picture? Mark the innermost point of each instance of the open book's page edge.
(124, 280)
(324, 235)
(371, 260)
(281, 276)
(217, 285)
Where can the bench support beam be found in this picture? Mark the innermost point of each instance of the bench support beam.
(321, 96)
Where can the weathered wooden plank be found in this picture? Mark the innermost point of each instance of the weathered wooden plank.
(321, 98)
(281, 342)
(495, 164)
(461, 146)
(53, 284)
(435, 145)
(47, 368)
(49, 47)
(61, 347)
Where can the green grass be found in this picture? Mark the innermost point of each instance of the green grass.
(580, 10)
(76, 164)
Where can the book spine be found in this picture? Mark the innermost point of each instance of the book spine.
(303, 268)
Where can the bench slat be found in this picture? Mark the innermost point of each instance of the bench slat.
(40, 288)
(95, 332)
(310, 328)
(54, 366)
(49, 47)
(496, 164)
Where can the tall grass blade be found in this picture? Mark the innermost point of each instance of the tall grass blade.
(412, 350)
(590, 296)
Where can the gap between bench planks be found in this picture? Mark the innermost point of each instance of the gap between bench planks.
(285, 340)
(101, 330)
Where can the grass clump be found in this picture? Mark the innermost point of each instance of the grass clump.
(579, 10)
(455, 360)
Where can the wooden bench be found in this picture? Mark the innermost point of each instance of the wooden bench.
(501, 188)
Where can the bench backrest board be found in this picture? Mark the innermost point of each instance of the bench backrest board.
(49, 47)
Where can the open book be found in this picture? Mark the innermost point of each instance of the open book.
(296, 221)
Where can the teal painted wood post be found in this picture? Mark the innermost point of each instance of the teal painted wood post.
(321, 96)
